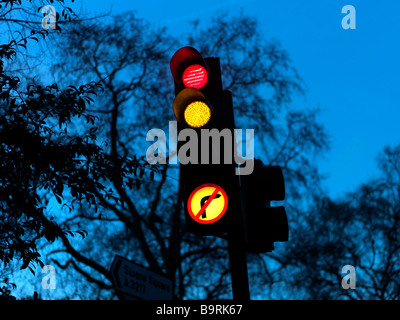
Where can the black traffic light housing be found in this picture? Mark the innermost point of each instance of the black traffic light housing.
(193, 175)
(264, 224)
(210, 92)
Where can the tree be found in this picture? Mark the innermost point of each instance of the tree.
(378, 212)
(21, 19)
(131, 60)
(362, 230)
(40, 156)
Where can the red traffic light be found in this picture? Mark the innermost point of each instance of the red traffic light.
(189, 68)
(194, 76)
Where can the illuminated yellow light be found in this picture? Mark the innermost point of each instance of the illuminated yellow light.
(197, 114)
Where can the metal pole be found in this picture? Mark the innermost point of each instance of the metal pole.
(236, 234)
(238, 265)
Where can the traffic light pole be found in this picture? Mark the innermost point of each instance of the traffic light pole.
(238, 264)
(236, 232)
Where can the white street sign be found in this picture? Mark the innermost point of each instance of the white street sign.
(133, 279)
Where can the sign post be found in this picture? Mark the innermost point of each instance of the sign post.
(134, 280)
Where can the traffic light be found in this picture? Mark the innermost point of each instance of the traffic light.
(216, 200)
(198, 89)
(264, 224)
(202, 106)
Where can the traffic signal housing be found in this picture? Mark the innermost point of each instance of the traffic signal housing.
(208, 189)
(264, 224)
(198, 89)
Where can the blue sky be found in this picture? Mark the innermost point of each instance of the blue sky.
(351, 75)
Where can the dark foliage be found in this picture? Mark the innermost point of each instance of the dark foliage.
(40, 158)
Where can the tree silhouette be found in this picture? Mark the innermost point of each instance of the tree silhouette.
(40, 157)
(362, 230)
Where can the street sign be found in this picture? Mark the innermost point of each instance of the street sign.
(132, 279)
(207, 203)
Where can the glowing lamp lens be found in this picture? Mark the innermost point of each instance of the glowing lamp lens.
(194, 76)
(197, 114)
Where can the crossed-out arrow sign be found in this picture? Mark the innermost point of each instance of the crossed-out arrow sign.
(140, 282)
(203, 198)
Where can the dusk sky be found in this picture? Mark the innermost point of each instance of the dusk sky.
(351, 75)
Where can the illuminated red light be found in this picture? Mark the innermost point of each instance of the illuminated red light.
(194, 76)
